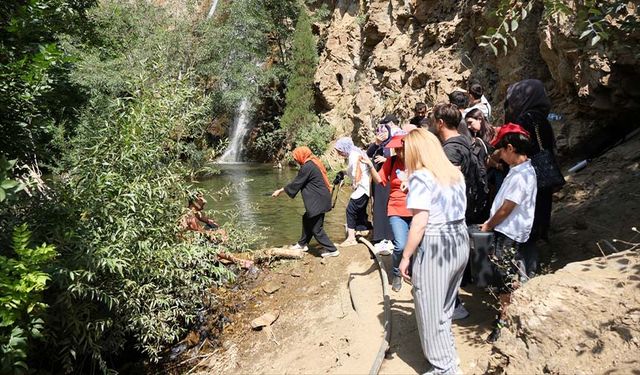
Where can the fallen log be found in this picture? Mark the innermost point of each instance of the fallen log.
(243, 263)
(277, 252)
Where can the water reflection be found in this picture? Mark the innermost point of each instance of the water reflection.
(245, 190)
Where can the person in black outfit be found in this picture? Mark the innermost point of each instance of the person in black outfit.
(446, 122)
(527, 105)
(420, 111)
(313, 182)
(379, 154)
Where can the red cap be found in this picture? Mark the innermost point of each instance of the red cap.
(396, 141)
(506, 129)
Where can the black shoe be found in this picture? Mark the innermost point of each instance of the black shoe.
(495, 333)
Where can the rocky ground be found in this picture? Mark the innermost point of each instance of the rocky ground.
(581, 317)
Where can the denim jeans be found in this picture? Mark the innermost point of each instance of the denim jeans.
(400, 227)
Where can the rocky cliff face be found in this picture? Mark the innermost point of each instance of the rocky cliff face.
(383, 56)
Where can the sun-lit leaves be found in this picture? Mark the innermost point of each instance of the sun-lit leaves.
(8, 186)
(500, 39)
(22, 281)
(597, 21)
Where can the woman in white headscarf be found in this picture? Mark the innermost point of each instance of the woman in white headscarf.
(360, 175)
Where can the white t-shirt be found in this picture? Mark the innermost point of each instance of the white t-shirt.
(444, 203)
(520, 187)
(361, 188)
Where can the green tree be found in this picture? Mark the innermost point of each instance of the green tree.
(35, 95)
(300, 99)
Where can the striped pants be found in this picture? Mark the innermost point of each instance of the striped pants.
(437, 272)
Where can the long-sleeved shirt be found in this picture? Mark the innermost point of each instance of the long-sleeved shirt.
(315, 193)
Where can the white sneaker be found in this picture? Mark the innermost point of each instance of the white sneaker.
(389, 245)
(381, 248)
(297, 246)
(327, 254)
(459, 313)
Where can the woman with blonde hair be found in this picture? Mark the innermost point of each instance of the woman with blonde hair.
(438, 237)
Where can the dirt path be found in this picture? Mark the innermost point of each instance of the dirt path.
(325, 328)
(406, 354)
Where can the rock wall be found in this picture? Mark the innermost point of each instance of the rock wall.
(382, 56)
(583, 319)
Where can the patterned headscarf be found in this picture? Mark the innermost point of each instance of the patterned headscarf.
(345, 145)
(303, 154)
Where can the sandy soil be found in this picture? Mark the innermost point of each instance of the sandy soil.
(325, 326)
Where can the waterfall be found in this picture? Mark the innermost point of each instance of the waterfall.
(212, 10)
(233, 153)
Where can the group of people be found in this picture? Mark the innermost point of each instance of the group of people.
(447, 169)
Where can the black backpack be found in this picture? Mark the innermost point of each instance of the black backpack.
(475, 177)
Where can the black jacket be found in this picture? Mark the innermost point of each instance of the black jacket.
(315, 193)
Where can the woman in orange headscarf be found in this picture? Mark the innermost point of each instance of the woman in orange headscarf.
(314, 184)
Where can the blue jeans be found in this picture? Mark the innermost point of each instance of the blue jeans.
(400, 227)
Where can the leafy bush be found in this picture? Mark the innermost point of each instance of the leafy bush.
(315, 136)
(270, 141)
(21, 284)
(34, 91)
(8, 186)
(125, 273)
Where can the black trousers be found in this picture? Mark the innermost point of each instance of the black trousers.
(314, 227)
(381, 227)
(357, 213)
(509, 263)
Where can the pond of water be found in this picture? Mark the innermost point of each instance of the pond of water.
(244, 190)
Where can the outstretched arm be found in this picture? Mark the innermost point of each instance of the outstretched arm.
(294, 186)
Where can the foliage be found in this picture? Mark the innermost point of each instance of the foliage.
(300, 99)
(316, 136)
(126, 99)
(270, 140)
(601, 19)
(124, 271)
(22, 281)
(35, 95)
(126, 275)
(8, 187)
(596, 19)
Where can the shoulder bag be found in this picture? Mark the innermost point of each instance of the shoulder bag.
(547, 170)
